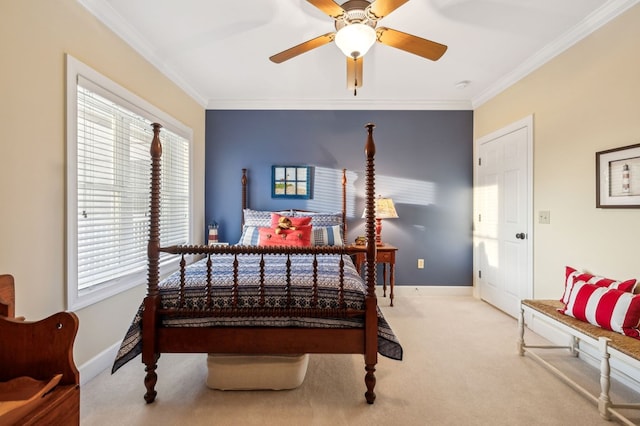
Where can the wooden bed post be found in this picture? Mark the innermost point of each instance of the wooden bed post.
(244, 198)
(344, 203)
(371, 319)
(151, 303)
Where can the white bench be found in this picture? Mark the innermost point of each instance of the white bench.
(610, 345)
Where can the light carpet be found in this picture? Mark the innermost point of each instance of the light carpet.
(460, 367)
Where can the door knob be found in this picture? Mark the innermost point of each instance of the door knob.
(521, 236)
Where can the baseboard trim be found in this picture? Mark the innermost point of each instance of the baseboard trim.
(98, 363)
(426, 290)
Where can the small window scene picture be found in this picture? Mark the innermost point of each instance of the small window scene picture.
(618, 177)
(291, 182)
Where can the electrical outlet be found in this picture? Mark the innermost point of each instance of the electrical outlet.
(420, 263)
(544, 217)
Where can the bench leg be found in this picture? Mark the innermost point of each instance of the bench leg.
(521, 344)
(604, 402)
(575, 344)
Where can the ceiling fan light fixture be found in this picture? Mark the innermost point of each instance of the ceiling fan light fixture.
(355, 40)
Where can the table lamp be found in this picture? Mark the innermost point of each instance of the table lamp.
(384, 209)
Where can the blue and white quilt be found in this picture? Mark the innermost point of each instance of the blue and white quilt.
(276, 296)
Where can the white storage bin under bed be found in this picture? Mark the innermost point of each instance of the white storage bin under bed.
(253, 372)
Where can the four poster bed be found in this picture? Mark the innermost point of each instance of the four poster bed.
(261, 299)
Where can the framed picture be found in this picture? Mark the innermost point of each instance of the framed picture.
(618, 177)
(291, 182)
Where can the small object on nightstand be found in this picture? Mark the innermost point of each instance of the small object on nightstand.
(213, 233)
(361, 240)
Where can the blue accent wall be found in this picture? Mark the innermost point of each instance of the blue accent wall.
(424, 162)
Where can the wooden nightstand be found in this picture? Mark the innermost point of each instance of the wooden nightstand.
(385, 254)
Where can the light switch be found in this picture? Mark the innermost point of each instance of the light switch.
(544, 217)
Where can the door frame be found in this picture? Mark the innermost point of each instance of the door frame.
(527, 124)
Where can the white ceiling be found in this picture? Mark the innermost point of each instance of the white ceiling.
(218, 51)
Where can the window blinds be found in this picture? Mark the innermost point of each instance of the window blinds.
(113, 179)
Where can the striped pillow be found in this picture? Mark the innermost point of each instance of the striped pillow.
(323, 219)
(327, 236)
(573, 276)
(610, 309)
(256, 217)
(569, 275)
(259, 217)
(250, 236)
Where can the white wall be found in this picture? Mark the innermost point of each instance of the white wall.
(585, 100)
(34, 37)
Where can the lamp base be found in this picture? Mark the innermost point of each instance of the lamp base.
(378, 232)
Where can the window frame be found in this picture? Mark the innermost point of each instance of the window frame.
(76, 298)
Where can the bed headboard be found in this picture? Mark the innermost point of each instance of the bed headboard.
(245, 199)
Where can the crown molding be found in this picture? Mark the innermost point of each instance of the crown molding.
(114, 21)
(333, 104)
(607, 12)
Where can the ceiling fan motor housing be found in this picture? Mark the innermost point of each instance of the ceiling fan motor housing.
(356, 13)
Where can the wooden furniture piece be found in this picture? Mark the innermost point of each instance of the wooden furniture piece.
(157, 338)
(386, 255)
(7, 296)
(38, 350)
(608, 344)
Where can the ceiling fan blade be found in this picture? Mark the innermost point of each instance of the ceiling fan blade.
(302, 48)
(329, 7)
(409, 43)
(381, 8)
(354, 74)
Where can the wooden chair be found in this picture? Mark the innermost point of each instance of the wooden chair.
(33, 357)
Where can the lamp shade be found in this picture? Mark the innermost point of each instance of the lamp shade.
(385, 209)
(355, 39)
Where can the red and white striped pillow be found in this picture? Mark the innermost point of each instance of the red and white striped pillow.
(611, 309)
(573, 276)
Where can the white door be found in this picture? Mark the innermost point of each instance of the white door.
(502, 222)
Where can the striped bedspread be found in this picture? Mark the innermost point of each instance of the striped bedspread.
(275, 295)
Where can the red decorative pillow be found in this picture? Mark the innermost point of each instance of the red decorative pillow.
(610, 309)
(568, 283)
(573, 276)
(295, 221)
(300, 237)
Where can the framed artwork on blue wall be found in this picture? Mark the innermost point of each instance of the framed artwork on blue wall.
(291, 182)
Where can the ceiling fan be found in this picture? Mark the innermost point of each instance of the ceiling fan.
(356, 31)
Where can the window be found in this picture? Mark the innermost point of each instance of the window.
(108, 178)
